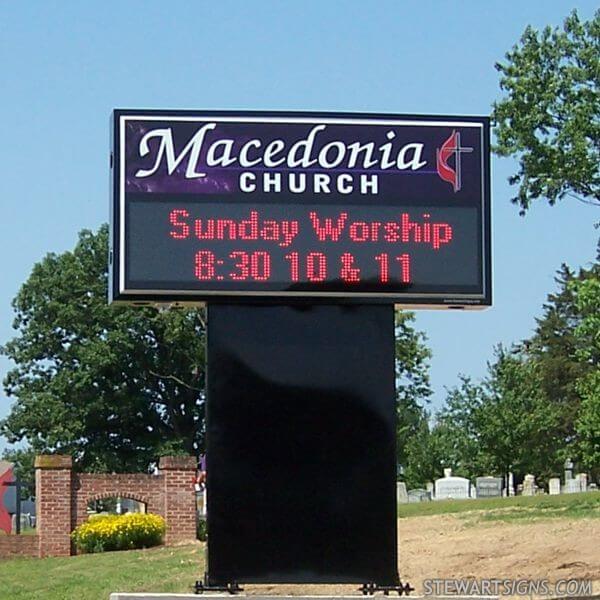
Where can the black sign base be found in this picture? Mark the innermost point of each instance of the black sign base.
(301, 445)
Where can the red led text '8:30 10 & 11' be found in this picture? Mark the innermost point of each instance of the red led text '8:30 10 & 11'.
(314, 267)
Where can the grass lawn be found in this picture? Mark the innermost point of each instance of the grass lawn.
(95, 576)
(572, 506)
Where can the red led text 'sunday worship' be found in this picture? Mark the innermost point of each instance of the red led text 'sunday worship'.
(318, 263)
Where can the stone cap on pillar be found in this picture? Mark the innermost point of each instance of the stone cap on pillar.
(177, 463)
(53, 461)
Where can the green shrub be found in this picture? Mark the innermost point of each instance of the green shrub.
(119, 532)
(201, 530)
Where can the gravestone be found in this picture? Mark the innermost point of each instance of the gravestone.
(25, 522)
(418, 495)
(430, 488)
(593, 487)
(488, 487)
(401, 494)
(583, 481)
(511, 484)
(554, 486)
(568, 470)
(529, 486)
(449, 487)
(572, 486)
(28, 506)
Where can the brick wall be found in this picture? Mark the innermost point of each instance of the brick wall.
(53, 493)
(19, 545)
(148, 489)
(62, 497)
(180, 499)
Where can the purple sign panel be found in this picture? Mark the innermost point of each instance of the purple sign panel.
(334, 207)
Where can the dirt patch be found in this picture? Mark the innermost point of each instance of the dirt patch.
(451, 547)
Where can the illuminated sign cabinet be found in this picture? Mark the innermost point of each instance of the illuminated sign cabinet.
(300, 206)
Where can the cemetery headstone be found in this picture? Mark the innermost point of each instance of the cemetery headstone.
(554, 486)
(583, 481)
(28, 506)
(418, 495)
(572, 486)
(430, 488)
(529, 486)
(401, 493)
(568, 469)
(511, 484)
(449, 487)
(25, 523)
(488, 487)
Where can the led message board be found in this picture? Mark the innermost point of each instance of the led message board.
(341, 207)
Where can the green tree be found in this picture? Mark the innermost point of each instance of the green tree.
(553, 347)
(518, 428)
(502, 424)
(556, 349)
(588, 423)
(456, 429)
(587, 301)
(549, 118)
(422, 455)
(412, 382)
(116, 387)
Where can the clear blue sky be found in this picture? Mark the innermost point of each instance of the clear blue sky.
(65, 65)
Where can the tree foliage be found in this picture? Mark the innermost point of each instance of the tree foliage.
(540, 401)
(412, 386)
(519, 428)
(421, 454)
(456, 429)
(115, 387)
(500, 425)
(549, 118)
(587, 333)
(553, 346)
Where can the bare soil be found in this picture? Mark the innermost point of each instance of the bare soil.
(453, 547)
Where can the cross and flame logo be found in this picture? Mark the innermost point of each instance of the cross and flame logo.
(451, 147)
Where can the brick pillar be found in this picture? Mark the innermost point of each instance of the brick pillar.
(180, 498)
(53, 493)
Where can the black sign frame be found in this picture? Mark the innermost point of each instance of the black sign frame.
(119, 292)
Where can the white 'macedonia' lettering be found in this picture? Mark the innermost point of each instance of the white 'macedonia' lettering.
(166, 147)
(302, 154)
